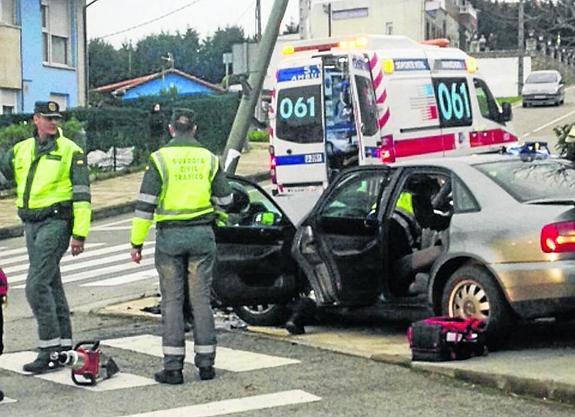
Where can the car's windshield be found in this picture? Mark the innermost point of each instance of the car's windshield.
(541, 78)
(550, 179)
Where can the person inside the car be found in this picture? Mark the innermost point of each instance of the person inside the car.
(416, 230)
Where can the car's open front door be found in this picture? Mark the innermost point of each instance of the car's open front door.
(339, 246)
(254, 265)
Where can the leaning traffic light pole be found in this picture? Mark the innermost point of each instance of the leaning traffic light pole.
(251, 93)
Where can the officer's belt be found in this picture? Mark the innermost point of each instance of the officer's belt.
(58, 211)
(200, 221)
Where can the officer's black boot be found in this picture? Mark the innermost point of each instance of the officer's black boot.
(42, 363)
(174, 377)
(207, 373)
(1, 395)
(304, 309)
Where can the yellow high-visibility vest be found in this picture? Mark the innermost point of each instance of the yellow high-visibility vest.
(51, 182)
(187, 173)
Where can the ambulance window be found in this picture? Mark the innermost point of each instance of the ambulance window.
(299, 114)
(453, 104)
(487, 104)
(367, 106)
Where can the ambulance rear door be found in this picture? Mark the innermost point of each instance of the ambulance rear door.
(299, 140)
(365, 109)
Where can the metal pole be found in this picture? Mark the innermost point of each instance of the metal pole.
(521, 45)
(329, 20)
(258, 20)
(251, 95)
(86, 55)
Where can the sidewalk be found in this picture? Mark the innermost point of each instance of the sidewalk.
(546, 373)
(117, 195)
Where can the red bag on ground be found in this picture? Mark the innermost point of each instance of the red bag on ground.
(3, 285)
(439, 339)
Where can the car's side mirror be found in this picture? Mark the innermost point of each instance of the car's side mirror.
(506, 113)
(267, 218)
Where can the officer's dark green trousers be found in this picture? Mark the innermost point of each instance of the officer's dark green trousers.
(186, 253)
(47, 241)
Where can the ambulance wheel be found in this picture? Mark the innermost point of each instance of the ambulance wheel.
(524, 104)
(263, 314)
(473, 292)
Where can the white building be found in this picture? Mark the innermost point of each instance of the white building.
(417, 19)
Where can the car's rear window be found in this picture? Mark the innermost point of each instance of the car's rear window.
(541, 78)
(533, 180)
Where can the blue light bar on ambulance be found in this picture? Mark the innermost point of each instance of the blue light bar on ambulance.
(298, 73)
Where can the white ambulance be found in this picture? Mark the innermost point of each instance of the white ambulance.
(376, 99)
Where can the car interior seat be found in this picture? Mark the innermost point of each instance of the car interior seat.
(405, 268)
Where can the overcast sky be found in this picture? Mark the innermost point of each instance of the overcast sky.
(109, 16)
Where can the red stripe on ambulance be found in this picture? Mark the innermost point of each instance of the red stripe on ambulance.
(490, 137)
(384, 119)
(420, 146)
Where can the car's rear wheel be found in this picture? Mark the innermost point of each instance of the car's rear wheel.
(472, 292)
(263, 314)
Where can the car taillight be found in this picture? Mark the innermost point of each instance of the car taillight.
(558, 237)
(386, 151)
(273, 165)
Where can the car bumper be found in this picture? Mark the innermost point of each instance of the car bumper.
(541, 99)
(538, 289)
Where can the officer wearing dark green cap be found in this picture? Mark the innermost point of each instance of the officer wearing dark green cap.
(53, 200)
(181, 187)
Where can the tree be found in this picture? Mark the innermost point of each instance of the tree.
(211, 66)
(105, 63)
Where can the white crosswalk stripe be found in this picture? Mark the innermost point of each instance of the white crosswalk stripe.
(124, 279)
(228, 359)
(94, 273)
(66, 258)
(236, 405)
(92, 263)
(8, 258)
(7, 400)
(14, 362)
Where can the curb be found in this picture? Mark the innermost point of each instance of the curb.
(9, 232)
(529, 387)
(523, 386)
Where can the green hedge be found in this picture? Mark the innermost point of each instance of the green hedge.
(215, 115)
(127, 125)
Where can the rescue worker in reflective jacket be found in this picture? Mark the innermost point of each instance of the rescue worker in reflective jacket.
(182, 184)
(53, 199)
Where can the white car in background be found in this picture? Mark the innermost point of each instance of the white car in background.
(543, 87)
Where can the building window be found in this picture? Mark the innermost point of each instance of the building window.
(61, 99)
(389, 28)
(8, 12)
(7, 110)
(56, 31)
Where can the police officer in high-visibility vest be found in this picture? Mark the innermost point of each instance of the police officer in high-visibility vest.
(182, 184)
(53, 199)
